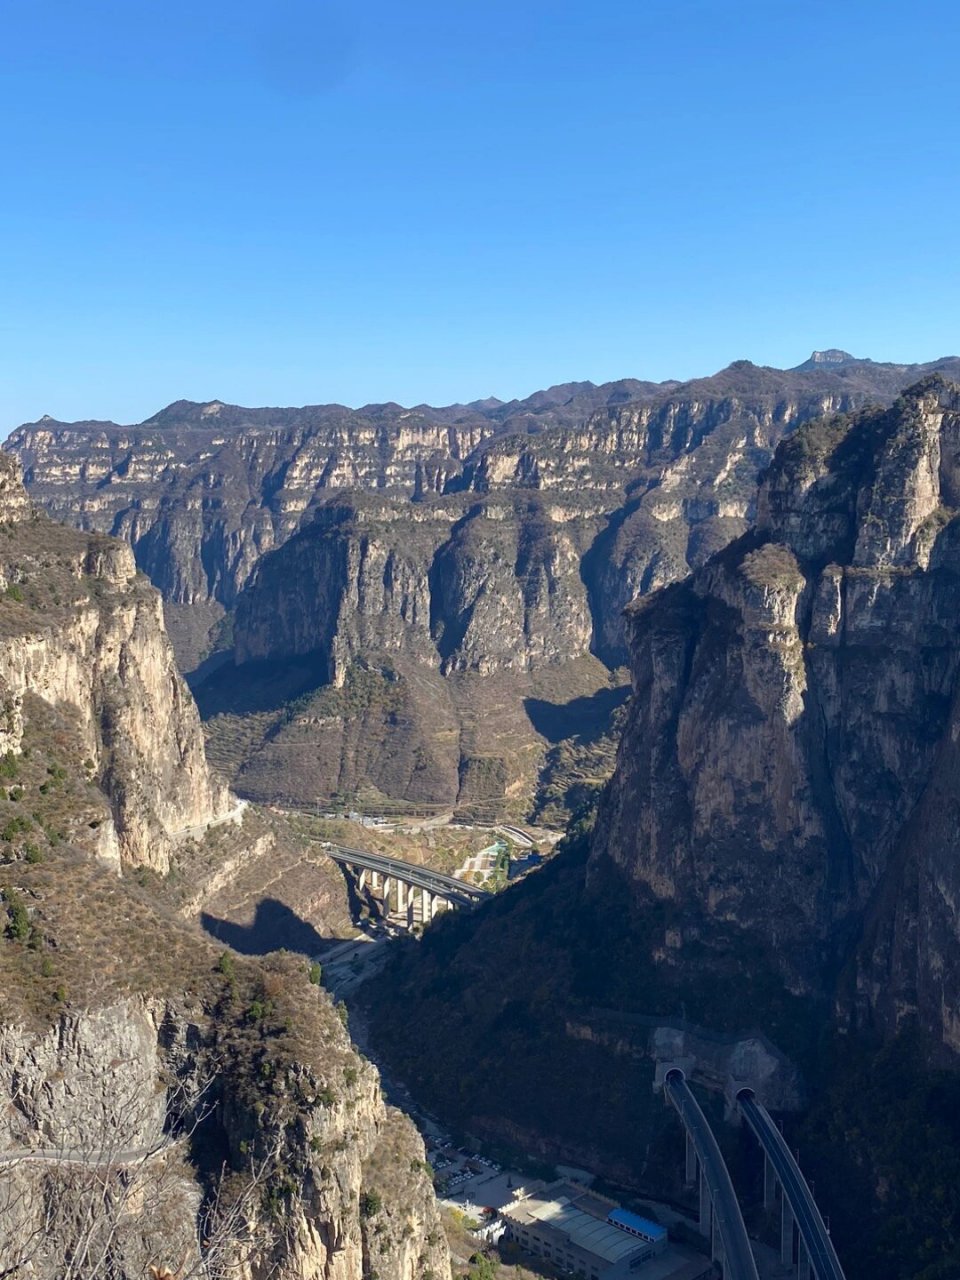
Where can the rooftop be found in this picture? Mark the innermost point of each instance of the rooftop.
(634, 1222)
(560, 1207)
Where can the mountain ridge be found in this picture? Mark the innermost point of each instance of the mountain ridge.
(545, 516)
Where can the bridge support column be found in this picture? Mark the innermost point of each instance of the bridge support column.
(786, 1233)
(403, 895)
(426, 906)
(690, 1169)
(387, 890)
(375, 882)
(716, 1246)
(705, 1214)
(803, 1262)
(362, 879)
(769, 1184)
(439, 904)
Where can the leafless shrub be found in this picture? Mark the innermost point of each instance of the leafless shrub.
(102, 1204)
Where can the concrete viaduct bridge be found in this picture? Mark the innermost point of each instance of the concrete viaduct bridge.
(816, 1255)
(721, 1220)
(412, 893)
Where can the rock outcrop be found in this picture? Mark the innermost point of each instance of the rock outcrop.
(786, 765)
(82, 631)
(490, 541)
(120, 1117)
(163, 1102)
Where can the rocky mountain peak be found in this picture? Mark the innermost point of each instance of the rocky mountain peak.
(831, 358)
(791, 700)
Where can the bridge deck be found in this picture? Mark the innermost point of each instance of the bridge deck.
(423, 877)
(738, 1260)
(813, 1231)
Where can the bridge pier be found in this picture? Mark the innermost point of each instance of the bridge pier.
(786, 1233)
(803, 1262)
(397, 884)
(690, 1169)
(716, 1246)
(769, 1184)
(706, 1215)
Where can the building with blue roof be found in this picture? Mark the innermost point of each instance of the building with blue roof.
(643, 1228)
(582, 1233)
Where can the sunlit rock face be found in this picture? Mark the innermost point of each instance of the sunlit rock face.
(202, 491)
(788, 764)
(436, 548)
(82, 631)
(161, 1098)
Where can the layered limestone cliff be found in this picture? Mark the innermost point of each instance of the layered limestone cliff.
(164, 1102)
(456, 584)
(785, 769)
(83, 632)
(427, 640)
(233, 1124)
(202, 491)
(421, 550)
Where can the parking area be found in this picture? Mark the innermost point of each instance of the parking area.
(473, 1183)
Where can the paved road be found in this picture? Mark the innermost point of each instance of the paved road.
(433, 881)
(813, 1231)
(100, 1160)
(738, 1260)
(516, 834)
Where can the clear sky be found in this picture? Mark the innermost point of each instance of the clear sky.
(299, 201)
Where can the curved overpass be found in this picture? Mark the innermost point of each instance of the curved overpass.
(738, 1260)
(435, 882)
(813, 1231)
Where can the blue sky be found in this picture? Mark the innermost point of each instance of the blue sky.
(300, 202)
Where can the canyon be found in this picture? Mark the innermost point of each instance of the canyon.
(424, 607)
(776, 851)
(166, 1103)
(762, 863)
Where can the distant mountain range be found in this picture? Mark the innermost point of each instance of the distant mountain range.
(413, 551)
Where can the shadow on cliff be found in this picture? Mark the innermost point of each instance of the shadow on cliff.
(586, 718)
(260, 686)
(274, 925)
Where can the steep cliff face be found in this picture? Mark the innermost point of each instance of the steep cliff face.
(790, 725)
(425, 549)
(124, 1106)
(162, 1101)
(456, 584)
(83, 632)
(202, 491)
(421, 633)
(776, 852)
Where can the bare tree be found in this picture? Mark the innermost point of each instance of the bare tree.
(113, 1197)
